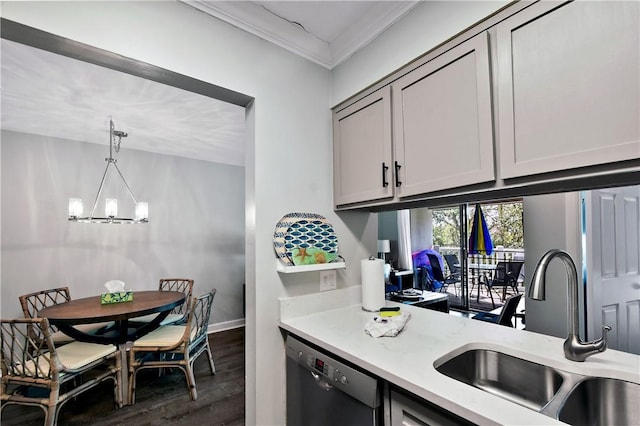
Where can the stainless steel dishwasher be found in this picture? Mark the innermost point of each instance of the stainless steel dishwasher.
(324, 391)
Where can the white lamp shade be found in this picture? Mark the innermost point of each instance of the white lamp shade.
(142, 210)
(384, 246)
(75, 207)
(111, 207)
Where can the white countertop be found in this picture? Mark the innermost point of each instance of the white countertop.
(335, 321)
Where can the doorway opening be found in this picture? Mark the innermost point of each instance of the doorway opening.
(476, 283)
(468, 279)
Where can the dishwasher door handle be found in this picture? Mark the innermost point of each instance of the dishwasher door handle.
(324, 385)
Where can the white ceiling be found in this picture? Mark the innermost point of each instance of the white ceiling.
(53, 95)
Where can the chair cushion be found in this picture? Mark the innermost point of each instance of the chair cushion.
(487, 317)
(59, 337)
(145, 318)
(92, 328)
(168, 335)
(78, 354)
(73, 356)
(170, 319)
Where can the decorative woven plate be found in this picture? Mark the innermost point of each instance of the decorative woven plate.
(303, 230)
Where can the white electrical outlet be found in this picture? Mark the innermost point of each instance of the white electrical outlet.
(328, 280)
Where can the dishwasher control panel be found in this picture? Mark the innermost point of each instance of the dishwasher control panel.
(323, 366)
(336, 373)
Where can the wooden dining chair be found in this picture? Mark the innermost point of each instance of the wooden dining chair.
(37, 373)
(179, 314)
(32, 303)
(175, 346)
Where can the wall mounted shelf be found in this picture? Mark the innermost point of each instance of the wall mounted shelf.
(285, 269)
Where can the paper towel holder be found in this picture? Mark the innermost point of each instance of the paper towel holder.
(373, 287)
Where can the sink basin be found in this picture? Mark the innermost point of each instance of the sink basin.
(602, 401)
(526, 383)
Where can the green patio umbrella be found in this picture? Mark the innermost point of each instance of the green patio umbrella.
(480, 239)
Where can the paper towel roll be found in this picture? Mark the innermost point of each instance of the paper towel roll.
(372, 284)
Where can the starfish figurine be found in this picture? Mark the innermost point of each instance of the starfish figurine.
(302, 254)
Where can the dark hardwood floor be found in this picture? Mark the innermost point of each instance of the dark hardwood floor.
(161, 400)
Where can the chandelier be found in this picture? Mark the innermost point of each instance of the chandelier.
(111, 204)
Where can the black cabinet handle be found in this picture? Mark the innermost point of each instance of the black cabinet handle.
(398, 183)
(384, 175)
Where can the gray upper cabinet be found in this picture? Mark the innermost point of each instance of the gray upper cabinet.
(541, 95)
(443, 132)
(569, 95)
(362, 153)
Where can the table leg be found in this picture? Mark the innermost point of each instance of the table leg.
(124, 374)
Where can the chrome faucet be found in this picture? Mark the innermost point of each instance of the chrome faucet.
(574, 348)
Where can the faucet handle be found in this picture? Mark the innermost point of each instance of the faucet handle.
(603, 340)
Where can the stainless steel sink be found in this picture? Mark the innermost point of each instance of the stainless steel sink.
(602, 401)
(569, 397)
(523, 382)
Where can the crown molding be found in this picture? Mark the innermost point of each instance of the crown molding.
(367, 28)
(256, 20)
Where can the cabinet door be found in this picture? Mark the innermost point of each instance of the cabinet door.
(362, 150)
(569, 78)
(443, 133)
(412, 411)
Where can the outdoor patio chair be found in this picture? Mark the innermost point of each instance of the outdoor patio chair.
(454, 277)
(175, 346)
(37, 373)
(436, 274)
(32, 303)
(179, 314)
(506, 315)
(506, 276)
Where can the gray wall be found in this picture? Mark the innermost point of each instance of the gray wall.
(388, 230)
(195, 229)
(551, 221)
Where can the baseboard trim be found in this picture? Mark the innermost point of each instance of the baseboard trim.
(227, 325)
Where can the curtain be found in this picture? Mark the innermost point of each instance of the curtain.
(404, 240)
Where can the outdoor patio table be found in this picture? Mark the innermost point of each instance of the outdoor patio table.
(480, 268)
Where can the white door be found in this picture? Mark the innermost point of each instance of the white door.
(613, 265)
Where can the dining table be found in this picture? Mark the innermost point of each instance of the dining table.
(90, 310)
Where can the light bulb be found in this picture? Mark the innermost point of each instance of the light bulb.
(111, 207)
(142, 210)
(75, 207)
